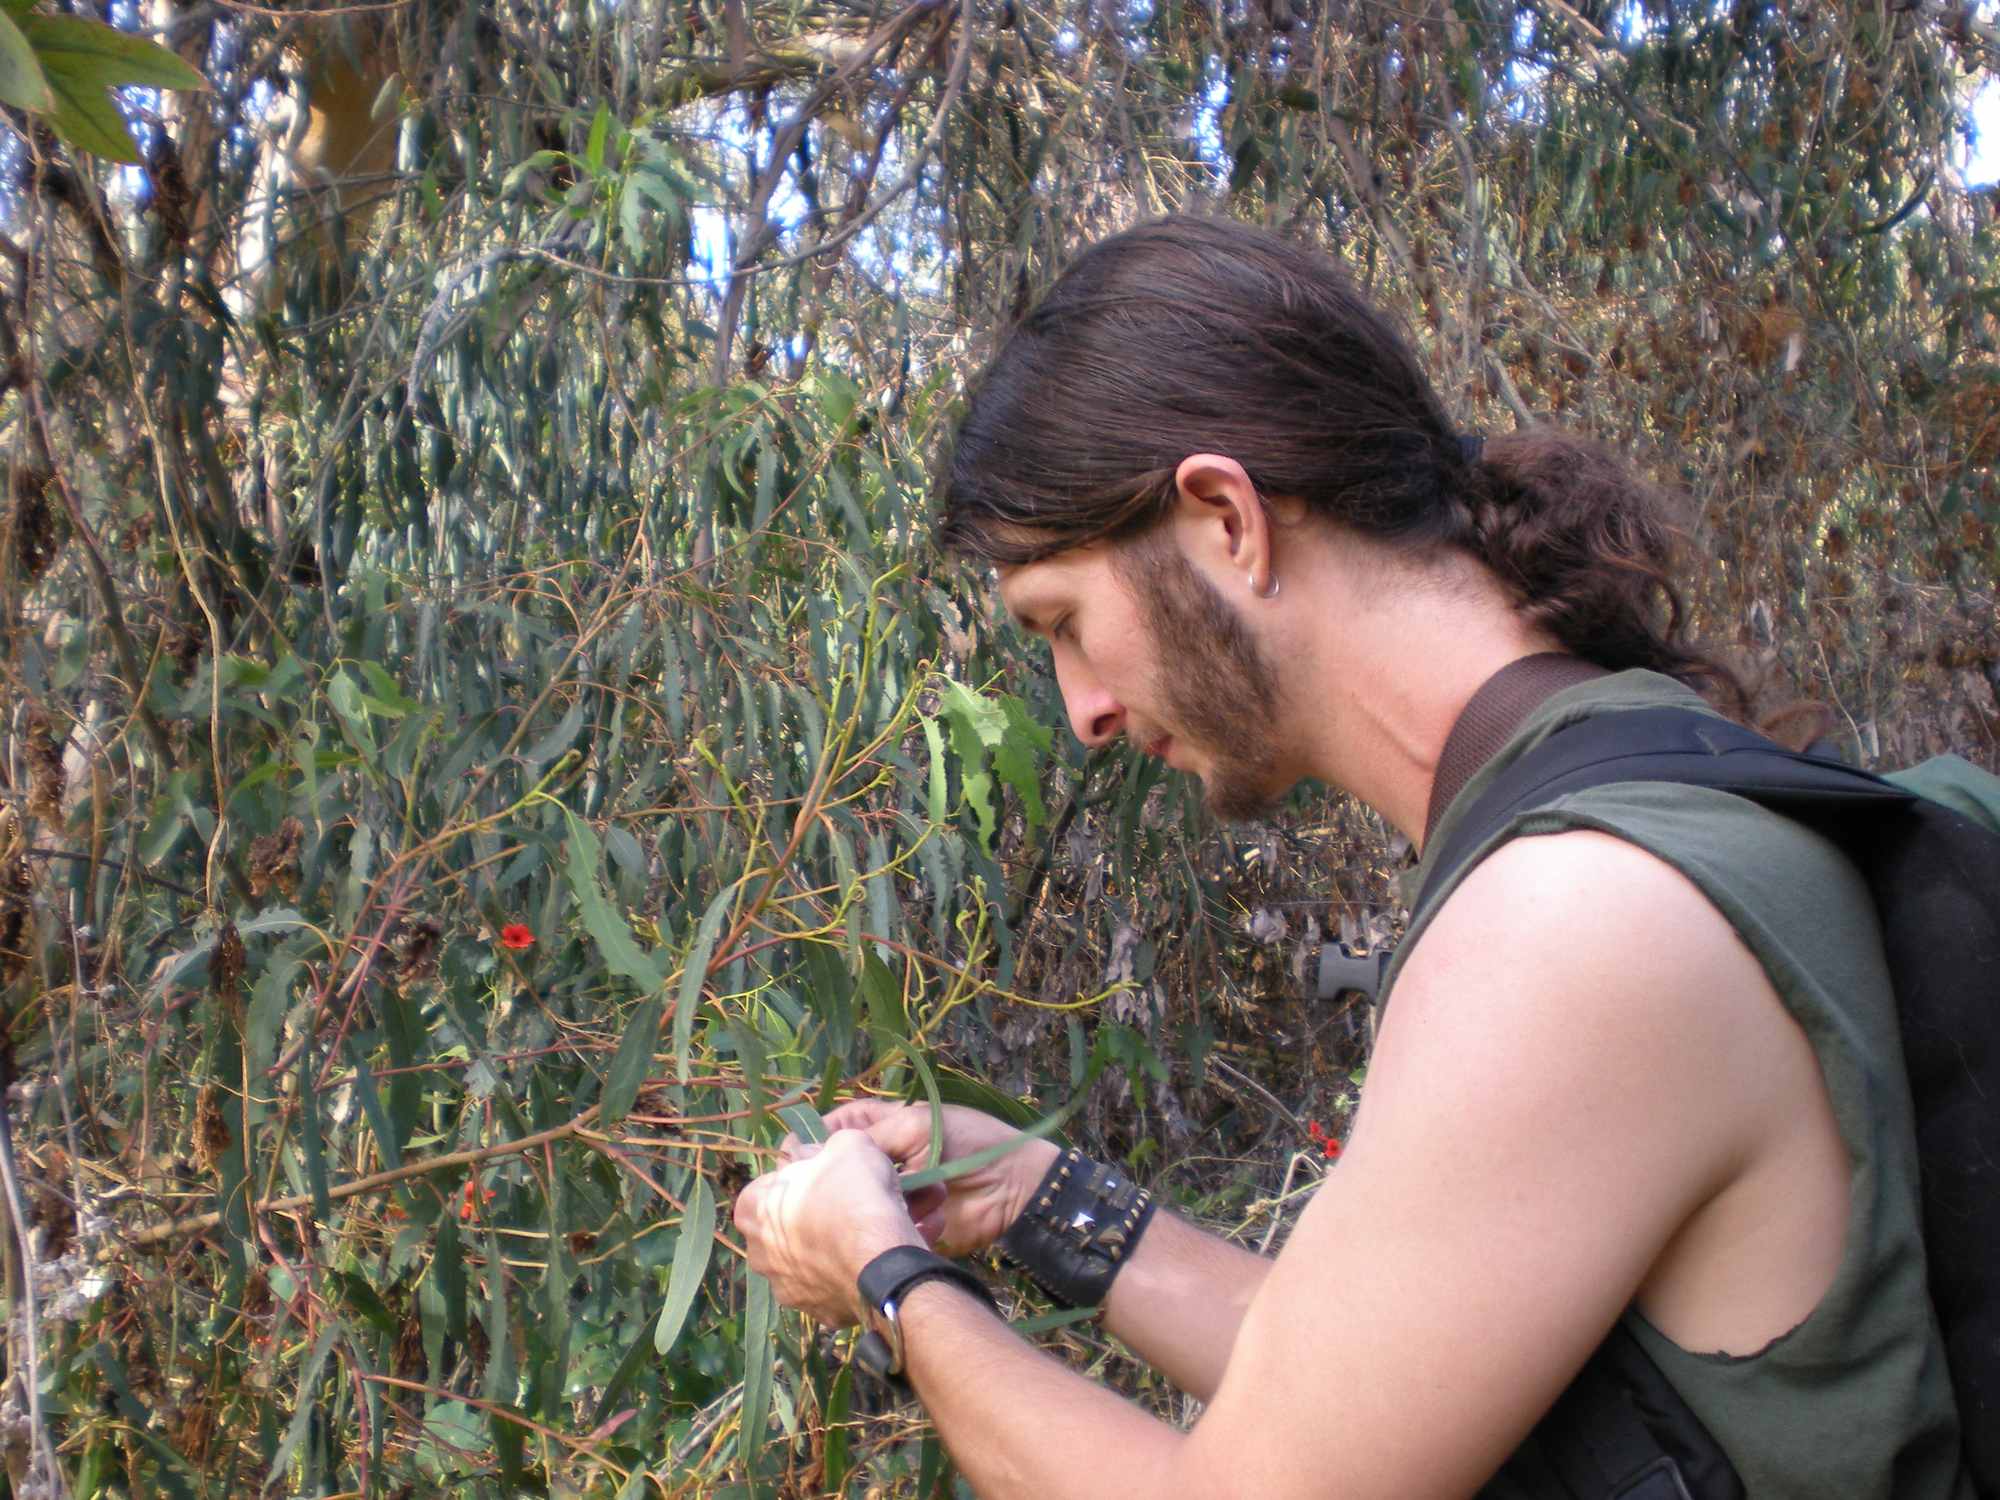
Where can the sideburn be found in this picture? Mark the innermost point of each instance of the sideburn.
(1216, 684)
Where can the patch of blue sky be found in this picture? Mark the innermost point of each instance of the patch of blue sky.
(709, 225)
(1980, 160)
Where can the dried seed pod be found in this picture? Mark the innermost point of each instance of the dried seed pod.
(211, 1129)
(45, 767)
(226, 968)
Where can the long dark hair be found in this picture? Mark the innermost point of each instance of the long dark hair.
(1192, 335)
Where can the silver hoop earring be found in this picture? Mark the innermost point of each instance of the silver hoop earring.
(1270, 593)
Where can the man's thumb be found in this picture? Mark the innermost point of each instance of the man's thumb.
(904, 1136)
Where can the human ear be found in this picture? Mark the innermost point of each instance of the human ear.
(1220, 521)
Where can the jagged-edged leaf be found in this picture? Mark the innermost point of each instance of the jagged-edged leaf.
(1017, 759)
(937, 788)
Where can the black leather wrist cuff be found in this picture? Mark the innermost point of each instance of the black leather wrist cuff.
(1078, 1230)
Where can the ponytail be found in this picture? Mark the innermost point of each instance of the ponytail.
(1588, 548)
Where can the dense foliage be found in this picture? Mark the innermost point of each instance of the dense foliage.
(488, 748)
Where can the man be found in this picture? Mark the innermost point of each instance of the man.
(1639, 1079)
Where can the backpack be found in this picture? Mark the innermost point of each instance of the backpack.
(1932, 863)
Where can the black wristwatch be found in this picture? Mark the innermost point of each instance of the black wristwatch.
(884, 1282)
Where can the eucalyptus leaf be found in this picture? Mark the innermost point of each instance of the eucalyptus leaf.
(692, 1246)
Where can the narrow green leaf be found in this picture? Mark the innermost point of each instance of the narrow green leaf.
(1047, 1125)
(632, 1064)
(931, 1466)
(882, 1000)
(270, 998)
(750, 1057)
(448, 1273)
(767, 483)
(600, 131)
(622, 954)
(21, 82)
(760, 1317)
(371, 1106)
(958, 1087)
(691, 1252)
(557, 740)
(877, 889)
(637, 1357)
(928, 1081)
(839, 1400)
(500, 1380)
(1017, 759)
(695, 974)
(1060, 1317)
(311, 1138)
(632, 222)
(277, 919)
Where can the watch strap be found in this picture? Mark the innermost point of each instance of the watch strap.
(884, 1282)
(890, 1274)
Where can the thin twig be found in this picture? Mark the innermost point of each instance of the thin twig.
(45, 1451)
(160, 1234)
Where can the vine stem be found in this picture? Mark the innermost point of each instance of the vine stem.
(161, 1234)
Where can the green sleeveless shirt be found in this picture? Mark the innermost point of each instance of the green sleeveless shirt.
(1855, 1402)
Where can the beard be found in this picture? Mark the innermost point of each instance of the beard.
(1216, 687)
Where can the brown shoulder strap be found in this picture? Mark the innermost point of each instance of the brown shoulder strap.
(1491, 716)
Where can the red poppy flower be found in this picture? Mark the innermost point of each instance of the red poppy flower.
(517, 935)
(1326, 1140)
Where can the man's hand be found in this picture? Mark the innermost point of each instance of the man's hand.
(813, 1224)
(967, 1213)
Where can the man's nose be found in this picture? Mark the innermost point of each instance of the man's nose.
(1095, 715)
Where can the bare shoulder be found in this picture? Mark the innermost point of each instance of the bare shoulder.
(1578, 910)
(1562, 1083)
(1580, 963)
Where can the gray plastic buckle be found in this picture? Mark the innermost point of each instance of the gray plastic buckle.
(1341, 969)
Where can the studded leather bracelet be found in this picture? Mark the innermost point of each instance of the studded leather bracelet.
(1078, 1229)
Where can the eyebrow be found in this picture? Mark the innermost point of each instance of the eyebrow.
(1020, 617)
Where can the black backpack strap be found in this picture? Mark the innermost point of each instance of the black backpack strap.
(1619, 1431)
(1666, 744)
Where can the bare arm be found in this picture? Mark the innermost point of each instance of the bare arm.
(1550, 1102)
(1180, 1300)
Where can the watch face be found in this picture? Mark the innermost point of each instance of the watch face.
(883, 1324)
